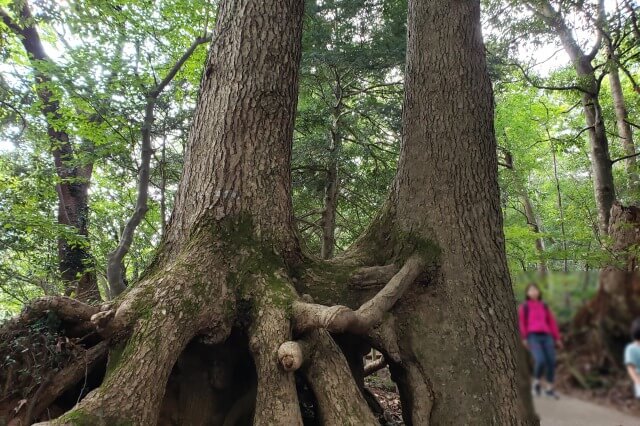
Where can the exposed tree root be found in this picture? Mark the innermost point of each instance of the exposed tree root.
(56, 384)
(277, 400)
(156, 319)
(415, 390)
(340, 319)
(340, 401)
(66, 308)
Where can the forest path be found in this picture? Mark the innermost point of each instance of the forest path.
(569, 411)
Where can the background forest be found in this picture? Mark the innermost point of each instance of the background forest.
(119, 80)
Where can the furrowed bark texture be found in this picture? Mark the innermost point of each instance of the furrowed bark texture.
(231, 233)
(247, 83)
(458, 335)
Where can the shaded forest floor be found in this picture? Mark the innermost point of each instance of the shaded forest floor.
(381, 385)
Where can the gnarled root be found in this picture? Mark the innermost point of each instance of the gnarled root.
(340, 401)
(340, 319)
(415, 391)
(277, 399)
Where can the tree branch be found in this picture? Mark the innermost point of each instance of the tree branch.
(625, 157)
(545, 87)
(115, 269)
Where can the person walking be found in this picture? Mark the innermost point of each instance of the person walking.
(540, 335)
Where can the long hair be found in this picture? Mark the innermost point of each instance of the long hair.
(526, 291)
(635, 329)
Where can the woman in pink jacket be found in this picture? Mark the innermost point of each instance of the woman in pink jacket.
(540, 335)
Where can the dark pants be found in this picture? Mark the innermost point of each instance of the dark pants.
(543, 349)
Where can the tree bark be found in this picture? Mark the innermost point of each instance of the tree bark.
(603, 323)
(74, 260)
(457, 336)
(534, 223)
(624, 129)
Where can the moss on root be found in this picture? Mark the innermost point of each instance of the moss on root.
(326, 282)
(79, 417)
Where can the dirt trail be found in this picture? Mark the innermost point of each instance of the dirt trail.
(573, 412)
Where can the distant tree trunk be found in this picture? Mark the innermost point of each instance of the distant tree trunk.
(446, 196)
(603, 185)
(529, 213)
(75, 260)
(232, 324)
(565, 268)
(624, 129)
(163, 187)
(330, 208)
(534, 223)
(604, 321)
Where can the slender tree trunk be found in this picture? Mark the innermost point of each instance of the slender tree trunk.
(74, 259)
(163, 187)
(565, 267)
(534, 223)
(624, 129)
(331, 189)
(116, 274)
(603, 185)
(428, 285)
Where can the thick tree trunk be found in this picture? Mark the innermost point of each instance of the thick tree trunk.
(75, 260)
(457, 336)
(223, 260)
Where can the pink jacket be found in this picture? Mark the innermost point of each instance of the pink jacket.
(540, 319)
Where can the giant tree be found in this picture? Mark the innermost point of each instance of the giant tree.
(233, 315)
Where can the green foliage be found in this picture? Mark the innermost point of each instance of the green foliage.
(106, 57)
(351, 85)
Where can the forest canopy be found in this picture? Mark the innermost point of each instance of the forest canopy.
(104, 60)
